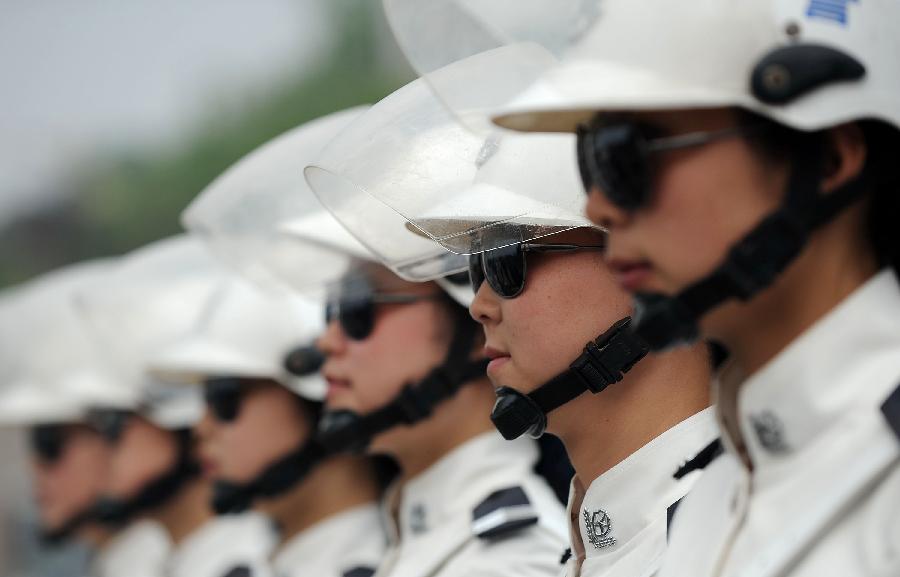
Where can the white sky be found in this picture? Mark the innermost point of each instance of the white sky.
(80, 78)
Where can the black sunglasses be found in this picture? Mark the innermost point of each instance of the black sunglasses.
(48, 441)
(356, 312)
(223, 396)
(504, 268)
(617, 157)
(110, 423)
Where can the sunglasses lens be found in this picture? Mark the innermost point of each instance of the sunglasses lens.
(614, 158)
(476, 272)
(223, 397)
(357, 318)
(504, 269)
(110, 423)
(47, 442)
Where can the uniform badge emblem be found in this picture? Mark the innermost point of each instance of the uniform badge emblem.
(598, 526)
(770, 432)
(417, 522)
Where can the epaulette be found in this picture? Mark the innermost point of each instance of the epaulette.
(701, 460)
(891, 411)
(670, 514)
(359, 571)
(503, 512)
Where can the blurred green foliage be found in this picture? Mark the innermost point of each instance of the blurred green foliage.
(136, 197)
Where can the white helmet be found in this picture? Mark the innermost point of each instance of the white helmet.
(151, 298)
(52, 371)
(246, 333)
(806, 64)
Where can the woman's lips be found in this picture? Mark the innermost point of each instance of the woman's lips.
(209, 467)
(498, 358)
(631, 275)
(336, 387)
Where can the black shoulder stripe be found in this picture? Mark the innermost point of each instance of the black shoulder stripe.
(891, 411)
(670, 514)
(701, 460)
(239, 571)
(360, 571)
(503, 512)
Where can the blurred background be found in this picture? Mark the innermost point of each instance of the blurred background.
(114, 115)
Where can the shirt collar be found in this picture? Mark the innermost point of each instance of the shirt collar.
(353, 536)
(452, 486)
(810, 384)
(250, 538)
(634, 495)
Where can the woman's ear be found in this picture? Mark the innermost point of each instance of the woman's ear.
(846, 155)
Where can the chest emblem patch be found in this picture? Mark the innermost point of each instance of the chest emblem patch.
(598, 526)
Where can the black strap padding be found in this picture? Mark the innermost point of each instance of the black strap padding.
(117, 512)
(343, 430)
(603, 362)
(276, 479)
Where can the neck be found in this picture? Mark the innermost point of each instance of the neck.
(341, 483)
(95, 535)
(186, 511)
(457, 420)
(662, 390)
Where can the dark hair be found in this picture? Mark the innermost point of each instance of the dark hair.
(881, 174)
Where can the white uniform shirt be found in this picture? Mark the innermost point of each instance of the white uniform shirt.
(619, 526)
(139, 550)
(350, 544)
(480, 510)
(823, 497)
(226, 546)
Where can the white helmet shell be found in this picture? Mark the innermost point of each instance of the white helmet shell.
(153, 297)
(246, 333)
(52, 371)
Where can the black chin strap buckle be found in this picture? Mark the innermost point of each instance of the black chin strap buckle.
(606, 360)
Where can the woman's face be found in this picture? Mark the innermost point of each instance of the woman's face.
(143, 453)
(703, 200)
(569, 299)
(69, 485)
(270, 423)
(406, 343)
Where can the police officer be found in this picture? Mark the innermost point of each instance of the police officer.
(256, 438)
(743, 162)
(403, 382)
(547, 351)
(51, 378)
(152, 297)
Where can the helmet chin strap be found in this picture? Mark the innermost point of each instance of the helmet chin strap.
(604, 361)
(117, 512)
(344, 430)
(74, 524)
(755, 261)
(276, 479)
